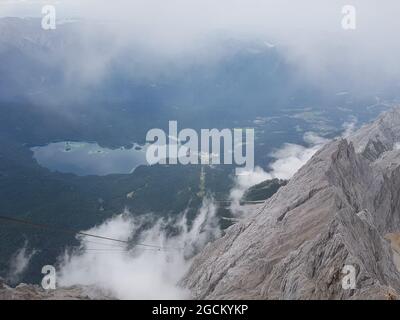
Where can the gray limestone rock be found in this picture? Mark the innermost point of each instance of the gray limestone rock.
(340, 209)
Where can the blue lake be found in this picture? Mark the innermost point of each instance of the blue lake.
(83, 158)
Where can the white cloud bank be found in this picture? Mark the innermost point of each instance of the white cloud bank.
(291, 157)
(140, 272)
(288, 160)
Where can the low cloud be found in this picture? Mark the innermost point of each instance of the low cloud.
(140, 272)
(288, 160)
(291, 157)
(349, 127)
(19, 262)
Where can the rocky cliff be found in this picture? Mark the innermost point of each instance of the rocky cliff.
(340, 209)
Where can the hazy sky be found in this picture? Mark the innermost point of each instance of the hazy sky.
(310, 30)
(188, 18)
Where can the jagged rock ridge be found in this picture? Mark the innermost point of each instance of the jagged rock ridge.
(341, 208)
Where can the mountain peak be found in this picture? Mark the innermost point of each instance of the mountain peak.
(336, 211)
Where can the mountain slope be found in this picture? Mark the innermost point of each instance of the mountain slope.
(339, 209)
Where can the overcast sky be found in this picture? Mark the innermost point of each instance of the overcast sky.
(311, 29)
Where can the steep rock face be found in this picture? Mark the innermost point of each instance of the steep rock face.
(382, 135)
(341, 208)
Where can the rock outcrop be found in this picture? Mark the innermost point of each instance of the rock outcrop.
(340, 209)
(34, 292)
